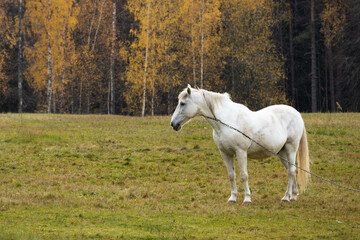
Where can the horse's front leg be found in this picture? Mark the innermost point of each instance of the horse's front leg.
(229, 162)
(242, 160)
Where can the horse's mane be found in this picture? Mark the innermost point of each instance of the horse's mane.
(211, 98)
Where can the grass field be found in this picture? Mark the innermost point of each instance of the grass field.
(116, 177)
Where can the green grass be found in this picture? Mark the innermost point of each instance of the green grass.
(115, 177)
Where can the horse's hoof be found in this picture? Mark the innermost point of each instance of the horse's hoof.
(285, 199)
(247, 199)
(246, 202)
(232, 198)
(293, 198)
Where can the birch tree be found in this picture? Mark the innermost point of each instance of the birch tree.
(20, 57)
(137, 73)
(94, 60)
(200, 55)
(47, 56)
(202, 45)
(111, 98)
(256, 67)
(146, 58)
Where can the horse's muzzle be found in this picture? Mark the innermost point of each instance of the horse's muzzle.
(176, 126)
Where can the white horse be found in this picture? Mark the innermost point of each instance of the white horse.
(279, 128)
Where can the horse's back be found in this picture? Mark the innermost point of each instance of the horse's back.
(280, 109)
(284, 113)
(273, 127)
(288, 117)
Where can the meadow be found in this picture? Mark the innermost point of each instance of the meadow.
(117, 177)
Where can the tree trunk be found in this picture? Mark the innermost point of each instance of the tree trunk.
(88, 104)
(291, 46)
(326, 64)
(193, 54)
(61, 107)
(152, 100)
(233, 86)
(202, 46)
(331, 80)
(313, 60)
(80, 96)
(91, 26)
(49, 67)
(146, 59)
(54, 102)
(169, 97)
(108, 99)
(90, 49)
(98, 26)
(49, 79)
(153, 63)
(338, 76)
(73, 98)
(111, 106)
(20, 57)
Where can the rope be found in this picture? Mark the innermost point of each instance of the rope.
(276, 154)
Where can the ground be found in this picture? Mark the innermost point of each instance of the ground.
(116, 177)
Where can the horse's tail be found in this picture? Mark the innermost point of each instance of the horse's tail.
(303, 162)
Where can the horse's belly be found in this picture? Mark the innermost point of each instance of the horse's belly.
(259, 154)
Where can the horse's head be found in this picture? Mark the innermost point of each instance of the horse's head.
(187, 108)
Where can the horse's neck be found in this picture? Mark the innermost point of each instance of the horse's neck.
(227, 112)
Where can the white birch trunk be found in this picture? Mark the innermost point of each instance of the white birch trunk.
(111, 105)
(153, 83)
(63, 68)
(193, 54)
(146, 59)
(90, 49)
(98, 26)
(49, 67)
(91, 26)
(49, 80)
(202, 46)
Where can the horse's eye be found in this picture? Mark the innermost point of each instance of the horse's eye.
(182, 104)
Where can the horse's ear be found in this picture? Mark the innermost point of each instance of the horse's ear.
(189, 89)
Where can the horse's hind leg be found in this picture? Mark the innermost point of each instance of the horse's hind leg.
(230, 166)
(242, 160)
(289, 153)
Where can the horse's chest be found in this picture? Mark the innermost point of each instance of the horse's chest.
(226, 147)
(227, 144)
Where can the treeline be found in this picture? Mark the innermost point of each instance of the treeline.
(133, 57)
